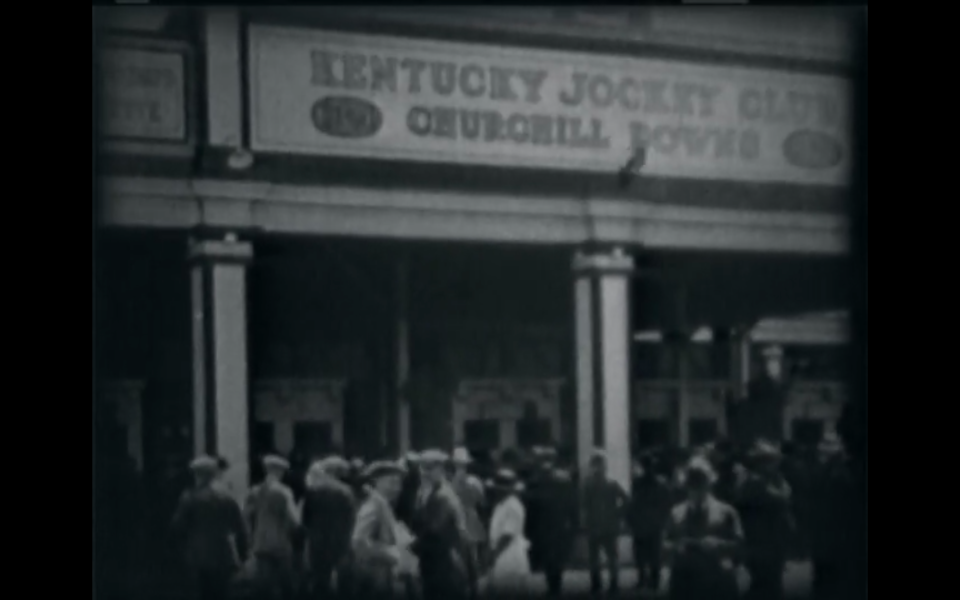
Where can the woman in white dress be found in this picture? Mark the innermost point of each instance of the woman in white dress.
(510, 571)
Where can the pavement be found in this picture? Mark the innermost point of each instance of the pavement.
(576, 583)
(797, 582)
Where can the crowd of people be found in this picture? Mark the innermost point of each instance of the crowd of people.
(433, 526)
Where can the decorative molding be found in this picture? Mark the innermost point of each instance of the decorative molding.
(408, 214)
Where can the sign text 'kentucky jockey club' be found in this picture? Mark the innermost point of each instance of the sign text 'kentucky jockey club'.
(387, 97)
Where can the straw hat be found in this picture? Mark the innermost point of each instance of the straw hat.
(382, 468)
(461, 456)
(276, 463)
(505, 480)
(204, 464)
(830, 443)
(434, 457)
(764, 450)
(699, 469)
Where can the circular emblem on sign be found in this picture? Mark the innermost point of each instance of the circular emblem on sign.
(345, 117)
(812, 150)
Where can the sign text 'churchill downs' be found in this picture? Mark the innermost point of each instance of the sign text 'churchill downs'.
(324, 93)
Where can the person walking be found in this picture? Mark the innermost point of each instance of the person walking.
(604, 504)
(328, 513)
(470, 491)
(510, 566)
(649, 510)
(551, 520)
(832, 511)
(405, 511)
(440, 530)
(765, 505)
(701, 539)
(210, 524)
(375, 546)
(272, 515)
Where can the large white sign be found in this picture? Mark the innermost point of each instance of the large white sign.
(326, 93)
(143, 95)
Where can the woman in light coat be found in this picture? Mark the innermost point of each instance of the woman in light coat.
(510, 573)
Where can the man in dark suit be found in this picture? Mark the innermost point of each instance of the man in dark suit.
(329, 510)
(440, 529)
(649, 510)
(604, 505)
(551, 519)
(766, 511)
(211, 526)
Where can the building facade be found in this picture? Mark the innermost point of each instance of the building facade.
(330, 229)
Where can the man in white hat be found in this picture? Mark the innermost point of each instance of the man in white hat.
(272, 514)
(701, 539)
(210, 524)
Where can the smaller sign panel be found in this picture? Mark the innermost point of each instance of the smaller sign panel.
(143, 95)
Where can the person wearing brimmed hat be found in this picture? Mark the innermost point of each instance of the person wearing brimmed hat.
(376, 552)
(701, 539)
(650, 506)
(833, 512)
(272, 514)
(604, 505)
(510, 568)
(440, 527)
(327, 512)
(210, 524)
(407, 503)
(469, 490)
(765, 503)
(551, 503)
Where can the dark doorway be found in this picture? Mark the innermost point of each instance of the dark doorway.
(313, 439)
(652, 433)
(481, 434)
(807, 432)
(702, 431)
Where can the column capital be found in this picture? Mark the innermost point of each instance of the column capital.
(607, 261)
(226, 250)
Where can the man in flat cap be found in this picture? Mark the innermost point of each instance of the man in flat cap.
(375, 546)
(470, 491)
(272, 514)
(701, 540)
(407, 503)
(328, 514)
(765, 507)
(440, 527)
(210, 524)
(604, 505)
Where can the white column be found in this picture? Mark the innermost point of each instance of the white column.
(603, 357)
(220, 352)
(584, 364)
(199, 327)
